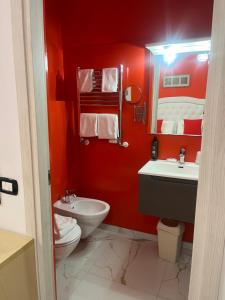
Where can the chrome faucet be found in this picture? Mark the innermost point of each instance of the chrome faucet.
(182, 157)
(69, 195)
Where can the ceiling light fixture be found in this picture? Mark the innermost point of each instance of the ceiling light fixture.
(203, 45)
(203, 57)
(169, 55)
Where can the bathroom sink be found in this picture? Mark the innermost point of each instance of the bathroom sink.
(164, 168)
(168, 191)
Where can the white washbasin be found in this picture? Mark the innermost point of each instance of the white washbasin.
(164, 168)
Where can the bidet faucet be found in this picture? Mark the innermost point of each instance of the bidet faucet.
(182, 157)
(69, 195)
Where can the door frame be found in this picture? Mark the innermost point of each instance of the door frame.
(29, 61)
(208, 265)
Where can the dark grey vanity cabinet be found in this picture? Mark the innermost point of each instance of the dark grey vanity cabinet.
(167, 197)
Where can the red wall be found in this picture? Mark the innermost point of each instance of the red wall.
(197, 70)
(100, 37)
(60, 112)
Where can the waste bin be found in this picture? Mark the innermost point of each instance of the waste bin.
(170, 239)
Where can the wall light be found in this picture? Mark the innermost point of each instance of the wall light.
(203, 57)
(169, 55)
(170, 50)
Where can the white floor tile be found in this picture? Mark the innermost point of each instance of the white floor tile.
(110, 257)
(110, 266)
(96, 288)
(145, 271)
(175, 283)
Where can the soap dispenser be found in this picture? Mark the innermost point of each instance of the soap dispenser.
(154, 150)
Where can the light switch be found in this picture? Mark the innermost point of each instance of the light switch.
(7, 186)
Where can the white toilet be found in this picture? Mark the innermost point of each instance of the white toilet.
(65, 245)
(89, 213)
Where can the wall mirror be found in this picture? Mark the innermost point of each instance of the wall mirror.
(133, 94)
(179, 86)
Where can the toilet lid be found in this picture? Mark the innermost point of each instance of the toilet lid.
(74, 234)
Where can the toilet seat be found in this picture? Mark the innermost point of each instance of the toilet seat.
(69, 238)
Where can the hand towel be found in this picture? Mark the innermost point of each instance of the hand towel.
(180, 127)
(109, 80)
(108, 127)
(86, 80)
(88, 125)
(168, 127)
(193, 126)
(63, 225)
(64, 222)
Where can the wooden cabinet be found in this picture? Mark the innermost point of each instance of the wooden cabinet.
(168, 197)
(17, 267)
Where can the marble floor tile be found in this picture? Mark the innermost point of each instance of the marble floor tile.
(175, 282)
(66, 285)
(128, 232)
(78, 261)
(110, 257)
(144, 270)
(110, 228)
(96, 288)
(136, 234)
(110, 266)
(129, 262)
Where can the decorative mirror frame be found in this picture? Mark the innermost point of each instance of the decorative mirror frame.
(126, 94)
(158, 50)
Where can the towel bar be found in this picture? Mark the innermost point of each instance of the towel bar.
(98, 99)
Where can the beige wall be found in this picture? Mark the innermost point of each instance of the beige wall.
(12, 210)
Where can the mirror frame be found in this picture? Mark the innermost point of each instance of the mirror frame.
(139, 92)
(155, 62)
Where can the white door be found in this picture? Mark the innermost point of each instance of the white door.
(24, 153)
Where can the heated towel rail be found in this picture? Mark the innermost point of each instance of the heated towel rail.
(97, 98)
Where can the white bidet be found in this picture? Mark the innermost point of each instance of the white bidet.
(88, 212)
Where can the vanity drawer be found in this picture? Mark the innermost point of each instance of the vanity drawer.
(167, 197)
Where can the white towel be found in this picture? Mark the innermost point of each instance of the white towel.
(180, 127)
(168, 127)
(88, 125)
(108, 127)
(63, 225)
(109, 80)
(86, 80)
